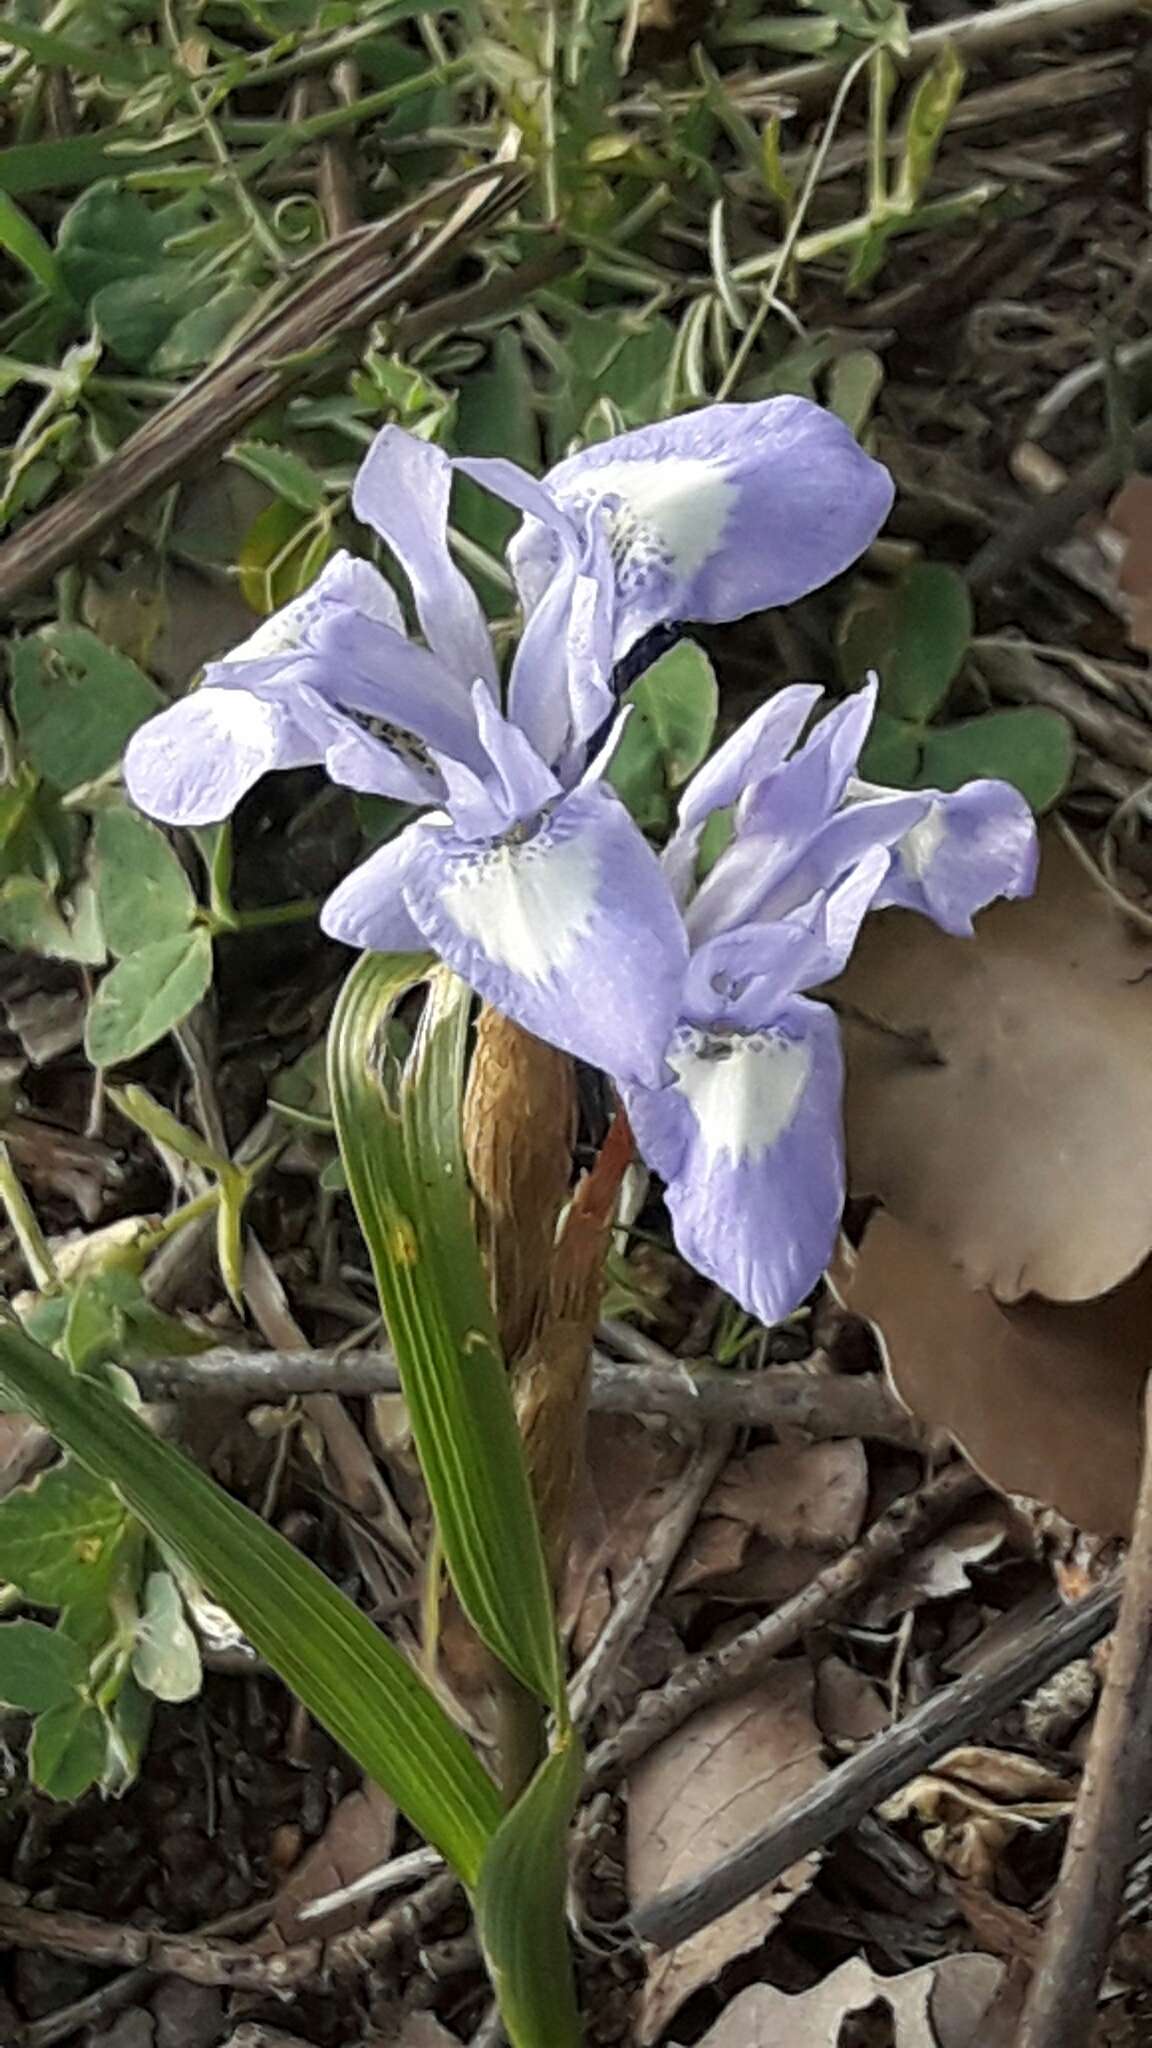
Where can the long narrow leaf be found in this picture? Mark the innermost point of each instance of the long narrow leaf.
(403, 1156)
(520, 1908)
(343, 1669)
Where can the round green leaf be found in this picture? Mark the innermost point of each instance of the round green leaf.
(39, 1668)
(68, 1751)
(59, 1535)
(143, 892)
(76, 703)
(146, 994)
(1032, 748)
(915, 636)
(892, 754)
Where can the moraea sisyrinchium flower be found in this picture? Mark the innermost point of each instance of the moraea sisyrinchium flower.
(747, 1135)
(526, 875)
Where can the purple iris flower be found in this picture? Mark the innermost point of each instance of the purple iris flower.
(526, 874)
(747, 1136)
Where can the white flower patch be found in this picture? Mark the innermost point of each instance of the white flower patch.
(744, 1091)
(528, 905)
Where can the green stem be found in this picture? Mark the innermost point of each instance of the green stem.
(29, 1236)
(227, 919)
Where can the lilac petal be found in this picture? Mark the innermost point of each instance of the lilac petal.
(191, 764)
(557, 537)
(526, 783)
(755, 888)
(368, 909)
(780, 815)
(344, 580)
(358, 761)
(757, 747)
(572, 932)
(367, 668)
(742, 975)
(749, 1142)
(722, 512)
(560, 689)
(402, 489)
(972, 845)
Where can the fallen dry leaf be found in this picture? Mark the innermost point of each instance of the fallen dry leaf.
(972, 1805)
(940, 1570)
(801, 1496)
(1130, 517)
(774, 1518)
(703, 1792)
(850, 1708)
(633, 1473)
(999, 1089)
(423, 2030)
(941, 2005)
(1043, 1397)
(360, 1834)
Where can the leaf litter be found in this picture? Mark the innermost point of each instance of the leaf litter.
(780, 1512)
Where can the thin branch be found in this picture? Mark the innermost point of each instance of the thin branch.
(886, 1763)
(824, 1405)
(972, 36)
(352, 288)
(715, 1674)
(1115, 1794)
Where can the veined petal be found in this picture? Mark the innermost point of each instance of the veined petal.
(972, 845)
(741, 976)
(368, 909)
(344, 580)
(753, 751)
(780, 815)
(366, 667)
(191, 764)
(722, 512)
(402, 488)
(748, 1139)
(527, 784)
(571, 931)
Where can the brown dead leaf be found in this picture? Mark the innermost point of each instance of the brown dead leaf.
(999, 1089)
(939, 2006)
(633, 1473)
(1043, 1397)
(774, 1519)
(703, 1792)
(940, 1570)
(423, 2030)
(360, 1834)
(849, 1708)
(800, 1496)
(1130, 517)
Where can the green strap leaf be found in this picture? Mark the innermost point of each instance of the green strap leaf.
(401, 1145)
(520, 1908)
(343, 1669)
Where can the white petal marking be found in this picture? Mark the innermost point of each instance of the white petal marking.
(528, 905)
(673, 509)
(920, 845)
(744, 1091)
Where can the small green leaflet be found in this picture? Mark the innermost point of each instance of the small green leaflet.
(76, 703)
(146, 994)
(141, 888)
(39, 1668)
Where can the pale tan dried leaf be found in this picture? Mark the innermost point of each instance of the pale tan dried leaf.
(999, 1089)
(1044, 1398)
(765, 1574)
(700, 1794)
(360, 1834)
(938, 2006)
(1004, 1775)
(633, 1472)
(799, 1496)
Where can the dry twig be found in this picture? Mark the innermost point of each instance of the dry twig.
(716, 1673)
(1115, 1794)
(880, 1768)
